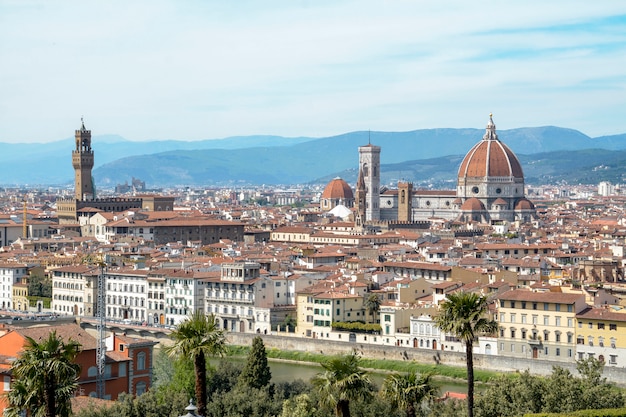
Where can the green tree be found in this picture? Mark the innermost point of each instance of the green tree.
(372, 304)
(408, 391)
(343, 380)
(198, 337)
(39, 286)
(463, 314)
(256, 373)
(299, 406)
(45, 378)
(290, 323)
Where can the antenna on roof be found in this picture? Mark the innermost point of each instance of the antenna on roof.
(369, 134)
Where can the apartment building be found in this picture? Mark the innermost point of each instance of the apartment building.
(538, 325)
(126, 294)
(184, 294)
(74, 290)
(601, 333)
(11, 273)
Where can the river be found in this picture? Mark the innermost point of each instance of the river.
(290, 371)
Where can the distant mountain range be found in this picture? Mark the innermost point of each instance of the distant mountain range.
(427, 157)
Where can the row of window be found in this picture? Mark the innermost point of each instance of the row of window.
(535, 306)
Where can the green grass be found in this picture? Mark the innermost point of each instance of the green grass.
(386, 365)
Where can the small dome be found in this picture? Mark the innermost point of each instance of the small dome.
(473, 204)
(500, 202)
(524, 204)
(338, 189)
(490, 158)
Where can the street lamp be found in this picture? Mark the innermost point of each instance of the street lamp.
(191, 410)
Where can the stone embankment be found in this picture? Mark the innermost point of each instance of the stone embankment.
(425, 356)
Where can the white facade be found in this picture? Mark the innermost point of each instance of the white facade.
(369, 165)
(74, 290)
(10, 273)
(126, 295)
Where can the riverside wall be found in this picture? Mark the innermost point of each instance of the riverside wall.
(425, 356)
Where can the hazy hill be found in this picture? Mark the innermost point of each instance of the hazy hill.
(433, 155)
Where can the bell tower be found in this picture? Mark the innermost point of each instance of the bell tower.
(369, 165)
(82, 161)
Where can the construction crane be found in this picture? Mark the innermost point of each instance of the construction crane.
(24, 224)
(101, 329)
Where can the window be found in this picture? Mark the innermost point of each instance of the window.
(557, 321)
(612, 326)
(600, 326)
(570, 308)
(570, 322)
(546, 306)
(141, 361)
(523, 333)
(590, 325)
(535, 318)
(512, 317)
(92, 371)
(557, 307)
(387, 317)
(569, 353)
(546, 320)
(534, 306)
(501, 332)
(512, 347)
(558, 352)
(613, 359)
(557, 336)
(523, 318)
(523, 304)
(122, 368)
(140, 388)
(512, 333)
(512, 304)
(545, 350)
(502, 320)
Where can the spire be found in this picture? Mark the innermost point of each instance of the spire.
(490, 133)
(360, 182)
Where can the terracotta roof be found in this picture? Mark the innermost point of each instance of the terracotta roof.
(490, 158)
(338, 188)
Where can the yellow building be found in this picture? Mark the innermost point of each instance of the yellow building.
(539, 325)
(601, 333)
(20, 296)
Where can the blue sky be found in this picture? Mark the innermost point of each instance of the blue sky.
(190, 70)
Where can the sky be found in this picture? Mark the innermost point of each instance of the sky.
(203, 69)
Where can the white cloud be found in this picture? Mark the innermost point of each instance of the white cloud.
(204, 69)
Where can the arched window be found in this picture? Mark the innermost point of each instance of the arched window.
(92, 371)
(140, 388)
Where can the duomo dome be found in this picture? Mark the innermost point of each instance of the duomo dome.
(490, 158)
(337, 192)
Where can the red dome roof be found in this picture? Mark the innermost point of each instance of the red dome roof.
(473, 204)
(500, 202)
(338, 189)
(524, 204)
(490, 158)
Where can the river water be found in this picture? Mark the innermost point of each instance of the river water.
(290, 371)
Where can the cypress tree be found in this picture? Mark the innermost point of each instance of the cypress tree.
(256, 373)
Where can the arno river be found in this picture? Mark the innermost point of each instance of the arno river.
(289, 371)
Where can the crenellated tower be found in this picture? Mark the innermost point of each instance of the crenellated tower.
(82, 160)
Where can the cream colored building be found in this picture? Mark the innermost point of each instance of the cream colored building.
(539, 325)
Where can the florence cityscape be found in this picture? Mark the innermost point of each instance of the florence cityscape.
(315, 212)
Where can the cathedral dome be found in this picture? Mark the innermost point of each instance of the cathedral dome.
(338, 189)
(490, 158)
(524, 204)
(473, 204)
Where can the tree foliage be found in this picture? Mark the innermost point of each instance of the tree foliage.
(408, 391)
(45, 378)
(464, 315)
(256, 373)
(198, 337)
(343, 380)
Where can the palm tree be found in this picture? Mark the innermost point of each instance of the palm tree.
(343, 380)
(45, 378)
(196, 338)
(463, 315)
(372, 303)
(407, 391)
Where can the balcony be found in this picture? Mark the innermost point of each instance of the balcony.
(534, 340)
